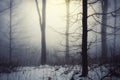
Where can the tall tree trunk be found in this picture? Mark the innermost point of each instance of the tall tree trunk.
(10, 34)
(104, 32)
(43, 35)
(67, 30)
(115, 21)
(43, 29)
(84, 39)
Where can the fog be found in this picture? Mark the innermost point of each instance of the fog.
(26, 33)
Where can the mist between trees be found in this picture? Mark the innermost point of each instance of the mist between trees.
(39, 32)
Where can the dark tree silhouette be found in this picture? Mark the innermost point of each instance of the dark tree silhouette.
(84, 39)
(10, 34)
(115, 24)
(67, 30)
(43, 28)
(104, 4)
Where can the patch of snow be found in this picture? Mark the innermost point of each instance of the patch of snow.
(47, 72)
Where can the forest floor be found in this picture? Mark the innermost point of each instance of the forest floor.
(66, 72)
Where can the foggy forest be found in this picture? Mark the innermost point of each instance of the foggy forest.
(59, 39)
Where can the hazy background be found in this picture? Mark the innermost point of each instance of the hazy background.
(26, 31)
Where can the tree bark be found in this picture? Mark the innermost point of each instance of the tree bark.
(10, 34)
(67, 30)
(84, 39)
(43, 35)
(104, 32)
(115, 22)
(43, 29)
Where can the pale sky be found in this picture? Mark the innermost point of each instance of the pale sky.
(55, 18)
(27, 18)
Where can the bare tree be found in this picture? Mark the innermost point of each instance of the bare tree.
(67, 30)
(84, 39)
(10, 34)
(115, 22)
(43, 28)
(104, 4)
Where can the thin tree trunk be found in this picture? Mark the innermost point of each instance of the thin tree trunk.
(67, 31)
(10, 34)
(114, 43)
(103, 32)
(43, 28)
(84, 40)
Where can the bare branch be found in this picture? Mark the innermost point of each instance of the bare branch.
(112, 12)
(4, 10)
(56, 30)
(38, 10)
(94, 2)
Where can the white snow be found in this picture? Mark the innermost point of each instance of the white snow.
(54, 73)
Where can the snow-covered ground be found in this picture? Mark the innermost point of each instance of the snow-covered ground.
(55, 73)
